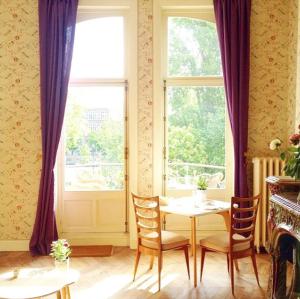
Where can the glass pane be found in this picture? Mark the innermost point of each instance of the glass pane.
(193, 48)
(99, 49)
(196, 136)
(94, 139)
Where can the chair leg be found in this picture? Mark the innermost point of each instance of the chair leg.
(236, 265)
(231, 274)
(227, 256)
(137, 259)
(186, 253)
(159, 269)
(151, 262)
(255, 267)
(203, 251)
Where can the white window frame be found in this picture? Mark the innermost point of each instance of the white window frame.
(162, 10)
(89, 9)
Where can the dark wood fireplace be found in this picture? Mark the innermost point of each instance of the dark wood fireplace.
(284, 230)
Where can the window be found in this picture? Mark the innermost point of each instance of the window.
(94, 142)
(94, 121)
(194, 104)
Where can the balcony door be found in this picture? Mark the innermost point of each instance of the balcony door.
(93, 169)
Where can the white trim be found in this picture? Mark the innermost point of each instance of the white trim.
(195, 81)
(14, 245)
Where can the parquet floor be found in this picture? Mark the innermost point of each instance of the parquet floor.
(111, 277)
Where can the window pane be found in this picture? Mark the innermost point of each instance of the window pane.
(94, 139)
(193, 48)
(196, 136)
(99, 52)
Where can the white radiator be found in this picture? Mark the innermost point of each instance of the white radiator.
(262, 168)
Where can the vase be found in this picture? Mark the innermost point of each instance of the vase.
(62, 265)
(200, 197)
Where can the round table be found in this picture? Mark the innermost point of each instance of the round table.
(28, 283)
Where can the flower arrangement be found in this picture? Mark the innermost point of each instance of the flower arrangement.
(60, 250)
(291, 155)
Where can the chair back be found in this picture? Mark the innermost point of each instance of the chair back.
(147, 215)
(243, 220)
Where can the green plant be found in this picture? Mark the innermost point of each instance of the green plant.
(60, 250)
(291, 155)
(202, 183)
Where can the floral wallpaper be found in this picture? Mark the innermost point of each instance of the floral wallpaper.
(297, 105)
(269, 74)
(292, 63)
(145, 97)
(20, 146)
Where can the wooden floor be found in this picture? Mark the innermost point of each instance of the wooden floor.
(111, 277)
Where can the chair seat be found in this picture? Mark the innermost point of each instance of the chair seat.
(169, 240)
(220, 242)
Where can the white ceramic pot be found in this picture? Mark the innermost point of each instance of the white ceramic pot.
(202, 194)
(62, 265)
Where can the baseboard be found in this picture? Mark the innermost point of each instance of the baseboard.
(14, 245)
(115, 239)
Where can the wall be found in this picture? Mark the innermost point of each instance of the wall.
(269, 85)
(145, 97)
(20, 146)
(271, 99)
(293, 65)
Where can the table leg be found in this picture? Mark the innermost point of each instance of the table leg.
(64, 293)
(194, 249)
(192, 242)
(68, 292)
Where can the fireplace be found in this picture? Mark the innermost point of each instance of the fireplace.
(284, 247)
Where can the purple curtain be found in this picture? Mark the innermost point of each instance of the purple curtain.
(233, 26)
(57, 20)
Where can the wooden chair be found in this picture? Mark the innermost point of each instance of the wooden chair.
(151, 240)
(239, 241)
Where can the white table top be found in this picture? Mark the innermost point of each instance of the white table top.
(27, 283)
(189, 206)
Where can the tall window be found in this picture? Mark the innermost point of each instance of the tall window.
(194, 104)
(94, 125)
(94, 172)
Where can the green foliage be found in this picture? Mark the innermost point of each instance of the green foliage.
(108, 140)
(292, 162)
(60, 250)
(202, 183)
(196, 116)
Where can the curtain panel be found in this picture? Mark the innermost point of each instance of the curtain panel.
(57, 20)
(233, 27)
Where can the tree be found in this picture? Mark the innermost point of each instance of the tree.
(196, 116)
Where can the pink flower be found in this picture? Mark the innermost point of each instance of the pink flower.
(295, 139)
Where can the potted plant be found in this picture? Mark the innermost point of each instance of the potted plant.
(291, 155)
(61, 251)
(202, 187)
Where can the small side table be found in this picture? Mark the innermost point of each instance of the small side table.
(29, 283)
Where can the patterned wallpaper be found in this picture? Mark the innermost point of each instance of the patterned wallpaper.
(20, 146)
(145, 97)
(297, 118)
(292, 63)
(269, 84)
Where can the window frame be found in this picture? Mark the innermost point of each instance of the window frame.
(163, 10)
(89, 9)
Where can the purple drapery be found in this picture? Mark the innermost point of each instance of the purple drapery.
(233, 26)
(57, 20)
